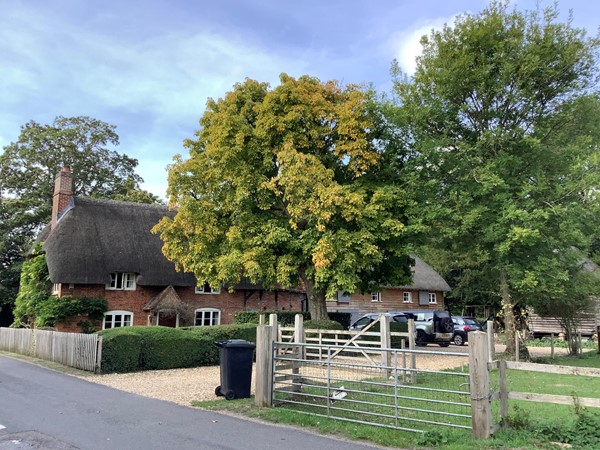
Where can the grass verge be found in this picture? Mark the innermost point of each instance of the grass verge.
(530, 425)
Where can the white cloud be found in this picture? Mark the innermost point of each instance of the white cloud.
(407, 43)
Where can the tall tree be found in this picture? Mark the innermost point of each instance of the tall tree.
(27, 171)
(484, 115)
(281, 188)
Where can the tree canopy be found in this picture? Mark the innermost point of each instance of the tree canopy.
(281, 188)
(28, 168)
(498, 155)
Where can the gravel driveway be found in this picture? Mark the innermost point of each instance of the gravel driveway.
(182, 386)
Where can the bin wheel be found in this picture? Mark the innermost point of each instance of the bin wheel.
(218, 392)
(229, 395)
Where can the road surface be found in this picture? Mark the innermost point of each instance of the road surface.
(41, 408)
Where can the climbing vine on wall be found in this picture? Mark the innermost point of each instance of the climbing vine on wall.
(35, 307)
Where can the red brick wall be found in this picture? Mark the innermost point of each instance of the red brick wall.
(391, 300)
(229, 303)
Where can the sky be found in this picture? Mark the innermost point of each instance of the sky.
(149, 66)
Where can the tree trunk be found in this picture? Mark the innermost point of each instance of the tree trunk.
(509, 321)
(316, 299)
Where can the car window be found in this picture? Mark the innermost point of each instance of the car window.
(400, 318)
(458, 320)
(471, 322)
(362, 322)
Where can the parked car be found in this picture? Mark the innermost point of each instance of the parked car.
(432, 326)
(462, 327)
(372, 317)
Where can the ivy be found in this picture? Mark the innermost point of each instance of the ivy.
(34, 307)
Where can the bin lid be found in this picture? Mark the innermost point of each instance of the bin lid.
(235, 343)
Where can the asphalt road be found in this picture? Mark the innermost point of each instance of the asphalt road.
(41, 408)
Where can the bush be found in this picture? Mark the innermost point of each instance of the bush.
(130, 349)
(121, 349)
(323, 325)
(345, 319)
(287, 318)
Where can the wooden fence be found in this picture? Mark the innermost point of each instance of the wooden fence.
(82, 351)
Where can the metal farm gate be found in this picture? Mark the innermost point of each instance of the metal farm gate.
(410, 390)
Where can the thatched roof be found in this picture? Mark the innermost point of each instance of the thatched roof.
(167, 299)
(94, 238)
(425, 278)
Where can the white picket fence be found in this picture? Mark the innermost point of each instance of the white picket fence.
(82, 351)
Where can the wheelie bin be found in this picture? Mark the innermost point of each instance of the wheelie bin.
(236, 356)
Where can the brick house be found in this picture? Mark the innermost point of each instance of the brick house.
(426, 292)
(104, 248)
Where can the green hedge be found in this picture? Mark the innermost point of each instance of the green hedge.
(130, 349)
(287, 318)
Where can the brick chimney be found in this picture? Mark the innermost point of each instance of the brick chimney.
(63, 190)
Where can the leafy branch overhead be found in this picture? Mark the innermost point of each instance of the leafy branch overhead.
(282, 187)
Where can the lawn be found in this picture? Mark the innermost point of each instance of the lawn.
(532, 425)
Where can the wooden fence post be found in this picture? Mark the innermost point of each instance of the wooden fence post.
(263, 392)
(412, 343)
(386, 341)
(480, 385)
(503, 391)
(299, 338)
(491, 341)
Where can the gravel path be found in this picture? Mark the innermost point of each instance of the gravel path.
(182, 386)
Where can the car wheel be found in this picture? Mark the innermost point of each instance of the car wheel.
(421, 340)
(444, 344)
(458, 340)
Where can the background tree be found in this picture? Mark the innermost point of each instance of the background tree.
(484, 115)
(28, 168)
(281, 187)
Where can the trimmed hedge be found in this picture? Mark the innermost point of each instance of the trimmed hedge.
(286, 318)
(130, 349)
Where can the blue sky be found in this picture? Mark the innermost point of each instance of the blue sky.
(149, 66)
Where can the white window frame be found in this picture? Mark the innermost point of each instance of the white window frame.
(432, 298)
(375, 296)
(121, 281)
(55, 288)
(407, 297)
(213, 315)
(126, 319)
(207, 289)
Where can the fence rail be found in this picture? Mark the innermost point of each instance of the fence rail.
(393, 395)
(82, 351)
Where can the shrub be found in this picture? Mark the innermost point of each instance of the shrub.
(287, 318)
(121, 349)
(345, 319)
(323, 325)
(130, 349)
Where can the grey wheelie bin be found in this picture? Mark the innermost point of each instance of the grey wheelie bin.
(236, 356)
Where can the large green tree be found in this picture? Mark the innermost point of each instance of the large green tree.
(28, 168)
(485, 118)
(281, 187)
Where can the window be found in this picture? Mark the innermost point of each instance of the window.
(376, 296)
(432, 298)
(407, 297)
(55, 288)
(208, 317)
(116, 319)
(206, 289)
(122, 281)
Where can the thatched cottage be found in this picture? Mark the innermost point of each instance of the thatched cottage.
(104, 248)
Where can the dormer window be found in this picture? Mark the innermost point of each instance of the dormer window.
(207, 289)
(122, 281)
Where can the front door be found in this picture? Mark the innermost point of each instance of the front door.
(167, 319)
